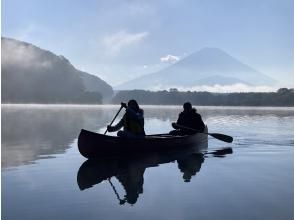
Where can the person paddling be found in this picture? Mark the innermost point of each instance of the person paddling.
(132, 121)
(188, 118)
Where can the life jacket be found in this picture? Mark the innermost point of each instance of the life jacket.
(133, 125)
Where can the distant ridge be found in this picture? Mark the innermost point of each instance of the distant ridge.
(209, 66)
(33, 75)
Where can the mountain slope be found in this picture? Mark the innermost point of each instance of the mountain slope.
(208, 66)
(34, 75)
(94, 84)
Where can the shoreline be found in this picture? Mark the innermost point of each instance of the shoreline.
(37, 105)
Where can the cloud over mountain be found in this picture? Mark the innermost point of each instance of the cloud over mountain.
(169, 59)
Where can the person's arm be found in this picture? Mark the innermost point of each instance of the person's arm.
(174, 125)
(179, 121)
(116, 127)
(201, 123)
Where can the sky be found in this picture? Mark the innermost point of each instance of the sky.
(119, 40)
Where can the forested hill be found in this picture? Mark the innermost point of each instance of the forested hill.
(283, 97)
(33, 75)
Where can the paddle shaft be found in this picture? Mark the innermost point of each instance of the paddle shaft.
(121, 201)
(221, 137)
(188, 128)
(114, 118)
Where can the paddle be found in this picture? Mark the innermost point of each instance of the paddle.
(221, 137)
(114, 117)
(121, 201)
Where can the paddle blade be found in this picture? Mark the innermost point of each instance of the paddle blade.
(222, 137)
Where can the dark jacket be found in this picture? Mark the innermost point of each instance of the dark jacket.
(190, 119)
(132, 121)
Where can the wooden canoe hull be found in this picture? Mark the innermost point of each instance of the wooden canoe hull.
(93, 145)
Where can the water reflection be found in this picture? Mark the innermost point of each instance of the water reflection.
(255, 181)
(220, 152)
(190, 165)
(130, 171)
(30, 133)
(33, 132)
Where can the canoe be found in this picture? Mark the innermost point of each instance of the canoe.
(93, 145)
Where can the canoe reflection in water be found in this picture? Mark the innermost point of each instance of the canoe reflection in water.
(130, 171)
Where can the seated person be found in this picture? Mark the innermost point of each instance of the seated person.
(132, 121)
(188, 118)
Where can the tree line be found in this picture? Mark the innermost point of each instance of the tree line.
(282, 97)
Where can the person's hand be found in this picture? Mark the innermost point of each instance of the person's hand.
(124, 105)
(108, 128)
(174, 125)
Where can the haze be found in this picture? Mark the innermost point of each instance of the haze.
(121, 40)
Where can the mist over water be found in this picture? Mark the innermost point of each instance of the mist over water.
(43, 172)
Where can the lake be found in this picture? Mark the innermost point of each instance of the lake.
(45, 177)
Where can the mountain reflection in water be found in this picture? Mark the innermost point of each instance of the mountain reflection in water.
(30, 133)
(130, 171)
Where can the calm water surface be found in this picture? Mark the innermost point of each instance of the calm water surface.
(45, 177)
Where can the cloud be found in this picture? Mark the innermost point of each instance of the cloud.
(238, 87)
(116, 42)
(22, 55)
(169, 59)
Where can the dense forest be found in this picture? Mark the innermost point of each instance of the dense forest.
(32, 75)
(283, 97)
